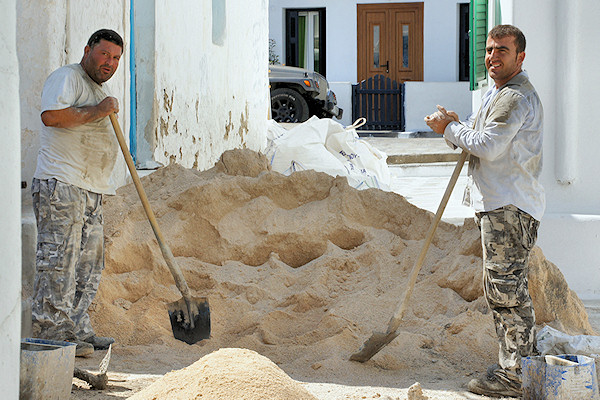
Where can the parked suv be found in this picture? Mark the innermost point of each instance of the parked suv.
(297, 93)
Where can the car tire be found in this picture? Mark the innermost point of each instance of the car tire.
(287, 105)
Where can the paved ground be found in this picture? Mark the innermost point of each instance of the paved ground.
(421, 168)
(593, 310)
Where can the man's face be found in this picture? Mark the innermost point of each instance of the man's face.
(101, 61)
(502, 60)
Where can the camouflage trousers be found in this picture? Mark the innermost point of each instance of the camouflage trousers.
(508, 235)
(69, 259)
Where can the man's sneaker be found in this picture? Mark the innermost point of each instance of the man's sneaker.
(83, 349)
(100, 342)
(490, 385)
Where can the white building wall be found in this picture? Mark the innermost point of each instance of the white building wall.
(562, 65)
(422, 97)
(440, 51)
(10, 234)
(211, 80)
(440, 45)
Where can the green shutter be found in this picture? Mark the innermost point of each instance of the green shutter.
(477, 38)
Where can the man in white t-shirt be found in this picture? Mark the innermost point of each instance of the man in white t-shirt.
(78, 150)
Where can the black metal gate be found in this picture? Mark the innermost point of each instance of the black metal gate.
(381, 101)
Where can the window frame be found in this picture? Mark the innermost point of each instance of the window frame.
(464, 64)
(292, 48)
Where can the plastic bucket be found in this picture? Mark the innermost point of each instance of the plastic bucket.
(546, 381)
(46, 369)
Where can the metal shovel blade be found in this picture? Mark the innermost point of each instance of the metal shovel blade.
(103, 367)
(190, 321)
(372, 346)
(97, 381)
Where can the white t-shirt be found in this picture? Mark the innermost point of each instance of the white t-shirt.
(83, 156)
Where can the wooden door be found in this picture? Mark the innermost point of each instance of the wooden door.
(390, 41)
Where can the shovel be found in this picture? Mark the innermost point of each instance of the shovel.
(190, 316)
(378, 339)
(96, 381)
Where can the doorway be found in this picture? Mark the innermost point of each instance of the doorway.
(390, 41)
(305, 39)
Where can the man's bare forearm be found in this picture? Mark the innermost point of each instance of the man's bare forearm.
(72, 117)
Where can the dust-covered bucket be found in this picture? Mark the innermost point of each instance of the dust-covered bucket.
(562, 377)
(46, 369)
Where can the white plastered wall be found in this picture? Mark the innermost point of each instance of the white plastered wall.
(440, 47)
(210, 79)
(422, 97)
(10, 244)
(562, 65)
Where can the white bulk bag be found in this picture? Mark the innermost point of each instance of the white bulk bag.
(326, 146)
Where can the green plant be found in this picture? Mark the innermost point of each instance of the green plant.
(273, 57)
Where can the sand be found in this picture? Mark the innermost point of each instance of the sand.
(227, 374)
(300, 270)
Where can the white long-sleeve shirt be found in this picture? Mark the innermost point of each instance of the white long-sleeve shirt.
(504, 140)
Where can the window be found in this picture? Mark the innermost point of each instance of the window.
(405, 46)
(305, 39)
(218, 22)
(376, 41)
(477, 38)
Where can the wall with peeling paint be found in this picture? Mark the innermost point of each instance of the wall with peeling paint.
(54, 33)
(211, 80)
(202, 80)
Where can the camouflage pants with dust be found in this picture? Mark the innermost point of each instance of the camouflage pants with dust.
(69, 259)
(508, 235)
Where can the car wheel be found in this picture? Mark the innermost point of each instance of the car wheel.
(287, 105)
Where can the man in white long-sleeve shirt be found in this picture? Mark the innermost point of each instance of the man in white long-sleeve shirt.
(504, 140)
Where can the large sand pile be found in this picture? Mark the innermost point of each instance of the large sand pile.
(302, 269)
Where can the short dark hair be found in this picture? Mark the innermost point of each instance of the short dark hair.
(105, 34)
(501, 31)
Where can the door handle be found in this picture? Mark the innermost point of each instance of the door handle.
(387, 66)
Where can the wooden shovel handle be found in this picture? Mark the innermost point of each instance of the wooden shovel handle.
(166, 251)
(401, 309)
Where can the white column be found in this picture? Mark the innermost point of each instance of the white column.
(567, 135)
(10, 206)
